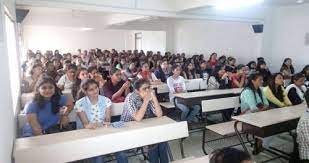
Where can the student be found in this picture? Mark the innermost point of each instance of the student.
(238, 79)
(47, 109)
(222, 60)
(252, 99)
(147, 74)
(252, 67)
(275, 92)
(204, 70)
(67, 81)
(264, 71)
(229, 155)
(305, 71)
(94, 111)
(131, 71)
(231, 65)
(213, 60)
(297, 89)
(303, 133)
(115, 88)
(140, 104)
(190, 72)
(163, 72)
(81, 75)
(30, 81)
(50, 70)
(287, 68)
(176, 84)
(219, 79)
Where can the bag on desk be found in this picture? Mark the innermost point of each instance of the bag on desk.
(56, 128)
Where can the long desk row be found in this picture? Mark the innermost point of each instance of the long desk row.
(85, 143)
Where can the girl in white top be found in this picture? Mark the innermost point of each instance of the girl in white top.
(66, 81)
(176, 84)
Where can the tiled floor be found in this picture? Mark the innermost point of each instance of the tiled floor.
(193, 147)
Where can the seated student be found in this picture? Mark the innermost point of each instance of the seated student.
(229, 155)
(115, 88)
(47, 109)
(140, 104)
(176, 84)
(213, 60)
(189, 71)
(163, 71)
(147, 74)
(275, 92)
(94, 111)
(81, 75)
(287, 68)
(252, 67)
(30, 81)
(231, 65)
(252, 99)
(204, 70)
(303, 133)
(297, 89)
(67, 81)
(222, 60)
(131, 71)
(305, 71)
(219, 79)
(50, 70)
(238, 79)
(264, 71)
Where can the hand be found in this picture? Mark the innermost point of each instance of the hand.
(106, 124)
(147, 97)
(90, 126)
(126, 85)
(225, 75)
(65, 120)
(101, 83)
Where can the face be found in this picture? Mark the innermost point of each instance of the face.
(242, 70)
(38, 70)
(258, 82)
(253, 66)
(117, 76)
(300, 82)
(57, 63)
(279, 80)
(145, 67)
(263, 66)
(288, 62)
(93, 73)
(164, 65)
(203, 65)
(83, 75)
(92, 90)
(190, 66)
(71, 73)
(144, 90)
(47, 90)
(232, 62)
(50, 67)
(132, 66)
(177, 71)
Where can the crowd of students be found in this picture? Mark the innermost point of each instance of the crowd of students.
(90, 81)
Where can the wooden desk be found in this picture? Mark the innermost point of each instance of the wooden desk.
(270, 122)
(195, 98)
(84, 143)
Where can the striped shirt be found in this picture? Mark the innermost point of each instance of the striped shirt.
(303, 136)
(132, 104)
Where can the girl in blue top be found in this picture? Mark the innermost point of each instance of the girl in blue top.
(94, 111)
(47, 109)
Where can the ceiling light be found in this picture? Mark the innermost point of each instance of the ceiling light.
(86, 29)
(235, 4)
(299, 1)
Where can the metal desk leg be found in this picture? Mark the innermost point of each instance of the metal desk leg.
(181, 147)
(203, 142)
(170, 154)
(240, 138)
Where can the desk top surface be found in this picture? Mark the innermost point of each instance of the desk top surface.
(273, 116)
(45, 140)
(216, 92)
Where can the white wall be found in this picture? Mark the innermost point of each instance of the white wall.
(7, 128)
(285, 36)
(228, 38)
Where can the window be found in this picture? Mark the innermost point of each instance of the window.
(138, 41)
(13, 60)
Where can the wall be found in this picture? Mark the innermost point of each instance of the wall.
(285, 35)
(7, 128)
(228, 38)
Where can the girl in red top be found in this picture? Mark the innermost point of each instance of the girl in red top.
(239, 78)
(213, 60)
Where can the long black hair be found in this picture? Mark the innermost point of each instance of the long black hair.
(306, 68)
(55, 98)
(277, 91)
(186, 70)
(250, 85)
(229, 155)
(285, 67)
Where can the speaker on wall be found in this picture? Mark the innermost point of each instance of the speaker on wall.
(258, 28)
